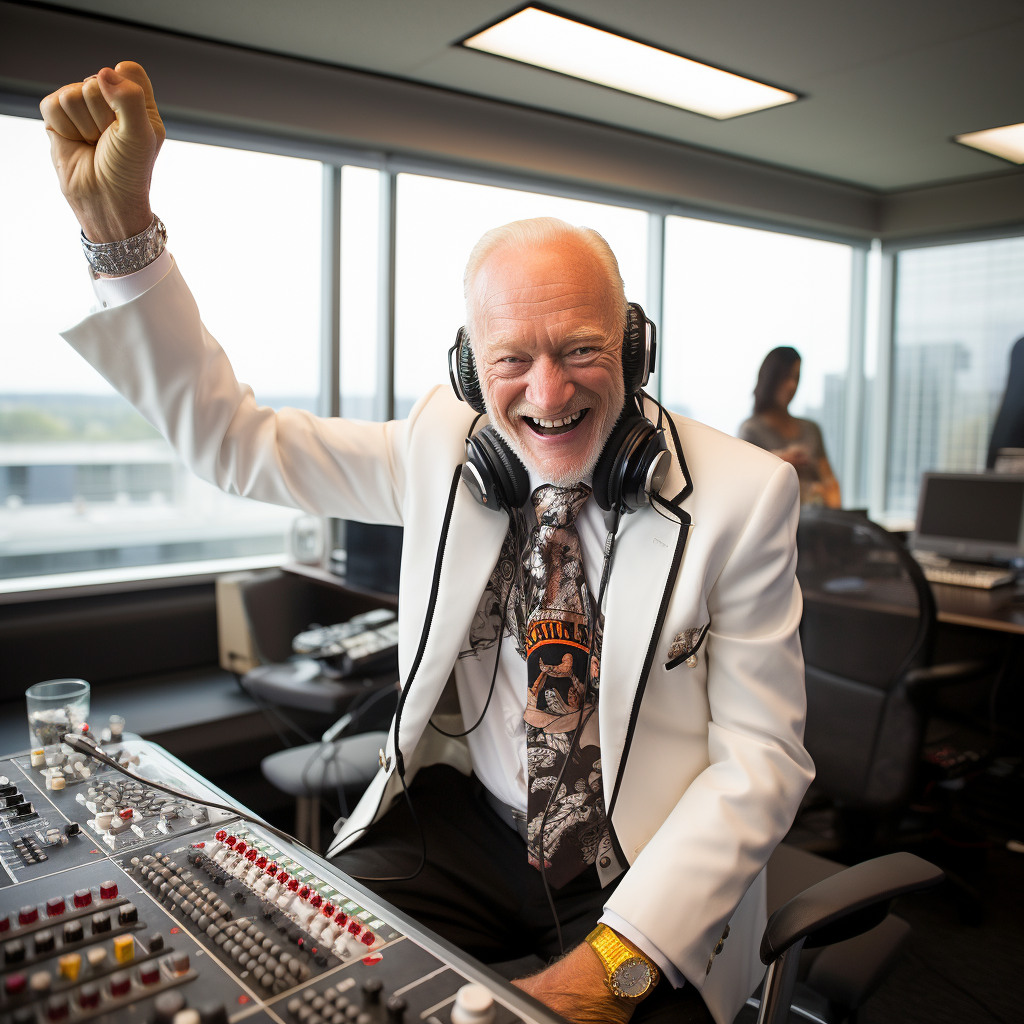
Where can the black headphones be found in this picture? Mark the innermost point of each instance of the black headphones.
(633, 463)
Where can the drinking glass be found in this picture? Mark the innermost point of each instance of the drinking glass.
(55, 707)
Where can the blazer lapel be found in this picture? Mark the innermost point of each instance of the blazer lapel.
(648, 553)
(470, 552)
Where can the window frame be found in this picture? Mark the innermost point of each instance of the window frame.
(866, 444)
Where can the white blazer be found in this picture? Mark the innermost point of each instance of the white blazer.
(703, 764)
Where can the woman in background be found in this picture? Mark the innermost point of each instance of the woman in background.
(797, 441)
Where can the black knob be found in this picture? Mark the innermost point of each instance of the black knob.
(7, 789)
(167, 1005)
(127, 913)
(72, 828)
(213, 1013)
(156, 942)
(44, 941)
(396, 1010)
(73, 932)
(100, 923)
(23, 810)
(14, 952)
(371, 991)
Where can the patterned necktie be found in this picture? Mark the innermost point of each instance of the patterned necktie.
(559, 620)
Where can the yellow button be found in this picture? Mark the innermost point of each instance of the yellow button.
(124, 949)
(69, 965)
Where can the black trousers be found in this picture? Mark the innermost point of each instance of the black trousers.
(477, 889)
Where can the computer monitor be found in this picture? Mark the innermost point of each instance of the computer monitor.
(977, 517)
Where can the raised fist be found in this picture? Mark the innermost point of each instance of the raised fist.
(105, 134)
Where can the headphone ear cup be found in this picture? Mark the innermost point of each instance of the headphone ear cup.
(634, 461)
(469, 381)
(494, 473)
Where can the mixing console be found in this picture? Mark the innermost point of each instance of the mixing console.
(120, 903)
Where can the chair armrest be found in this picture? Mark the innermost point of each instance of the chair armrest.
(934, 677)
(846, 904)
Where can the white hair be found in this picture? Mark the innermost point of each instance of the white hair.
(522, 235)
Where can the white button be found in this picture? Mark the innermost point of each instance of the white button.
(474, 1004)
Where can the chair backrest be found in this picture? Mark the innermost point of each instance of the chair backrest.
(869, 617)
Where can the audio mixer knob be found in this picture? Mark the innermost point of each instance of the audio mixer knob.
(120, 984)
(58, 1007)
(82, 898)
(15, 984)
(396, 1006)
(14, 952)
(5, 923)
(149, 973)
(474, 1004)
(72, 932)
(55, 906)
(127, 913)
(44, 941)
(89, 997)
(100, 923)
(371, 991)
(167, 1005)
(28, 915)
(108, 891)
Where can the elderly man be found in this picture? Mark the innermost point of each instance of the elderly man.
(635, 840)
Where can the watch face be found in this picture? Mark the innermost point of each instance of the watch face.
(632, 978)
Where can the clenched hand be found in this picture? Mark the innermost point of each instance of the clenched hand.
(105, 134)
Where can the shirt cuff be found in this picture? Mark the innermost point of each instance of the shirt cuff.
(116, 291)
(644, 944)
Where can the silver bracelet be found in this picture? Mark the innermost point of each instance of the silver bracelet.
(128, 255)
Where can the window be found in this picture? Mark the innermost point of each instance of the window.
(439, 221)
(959, 309)
(731, 295)
(85, 482)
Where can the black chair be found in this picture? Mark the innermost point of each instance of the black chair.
(849, 905)
(868, 633)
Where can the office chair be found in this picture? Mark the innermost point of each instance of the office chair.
(868, 634)
(835, 912)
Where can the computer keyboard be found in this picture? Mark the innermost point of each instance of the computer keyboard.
(983, 577)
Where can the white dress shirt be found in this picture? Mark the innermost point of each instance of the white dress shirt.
(498, 744)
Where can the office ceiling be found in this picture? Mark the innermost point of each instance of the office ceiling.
(886, 83)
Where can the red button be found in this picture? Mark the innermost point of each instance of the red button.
(315, 900)
(126, 814)
(221, 836)
(230, 841)
(304, 892)
(241, 846)
(262, 862)
(282, 876)
(340, 918)
(55, 906)
(5, 923)
(120, 983)
(83, 897)
(252, 855)
(14, 984)
(355, 927)
(272, 868)
(293, 884)
(368, 937)
(328, 910)
(149, 973)
(108, 891)
(28, 915)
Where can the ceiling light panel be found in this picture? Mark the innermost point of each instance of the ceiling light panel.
(569, 47)
(1007, 142)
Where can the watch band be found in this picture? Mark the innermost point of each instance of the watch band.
(127, 255)
(613, 953)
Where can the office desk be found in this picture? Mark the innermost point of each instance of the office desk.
(1000, 609)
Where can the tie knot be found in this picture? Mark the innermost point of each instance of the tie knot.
(559, 506)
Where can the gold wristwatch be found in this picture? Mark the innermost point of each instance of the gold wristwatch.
(630, 975)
